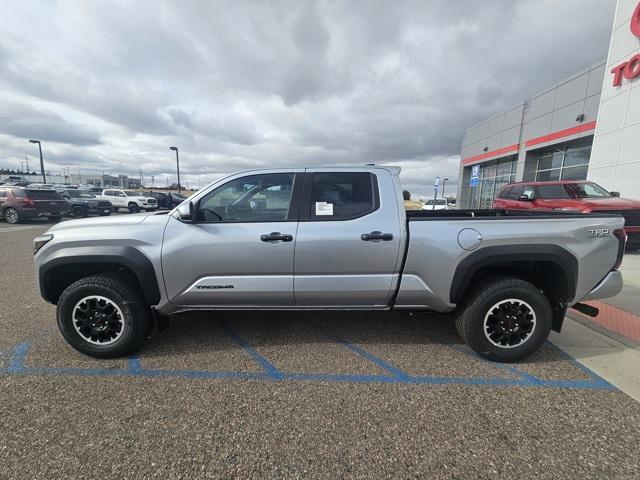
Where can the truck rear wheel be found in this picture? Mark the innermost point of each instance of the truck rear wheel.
(104, 315)
(504, 319)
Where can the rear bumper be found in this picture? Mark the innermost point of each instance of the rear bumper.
(35, 212)
(610, 286)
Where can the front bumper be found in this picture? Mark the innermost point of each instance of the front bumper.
(610, 286)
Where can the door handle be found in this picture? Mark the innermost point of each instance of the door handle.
(270, 237)
(376, 236)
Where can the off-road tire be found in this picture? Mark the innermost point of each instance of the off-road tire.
(123, 292)
(134, 208)
(470, 317)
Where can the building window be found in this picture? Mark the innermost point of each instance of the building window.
(568, 161)
(493, 176)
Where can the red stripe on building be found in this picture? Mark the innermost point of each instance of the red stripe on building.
(561, 134)
(493, 153)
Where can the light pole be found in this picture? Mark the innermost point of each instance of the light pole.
(44, 178)
(175, 149)
(444, 183)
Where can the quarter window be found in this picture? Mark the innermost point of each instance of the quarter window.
(255, 198)
(341, 196)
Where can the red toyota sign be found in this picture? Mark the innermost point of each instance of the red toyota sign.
(635, 21)
(631, 68)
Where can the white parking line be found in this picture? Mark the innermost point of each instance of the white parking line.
(22, 227)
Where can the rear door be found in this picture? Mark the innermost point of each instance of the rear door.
(348, 241)
(239, 251)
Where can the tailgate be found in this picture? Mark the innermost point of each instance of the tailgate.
(46, 201)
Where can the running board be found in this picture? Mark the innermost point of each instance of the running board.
(586, 309)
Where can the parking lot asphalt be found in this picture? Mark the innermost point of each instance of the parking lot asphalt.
(284, 394)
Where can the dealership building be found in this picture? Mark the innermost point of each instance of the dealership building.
(585, 127)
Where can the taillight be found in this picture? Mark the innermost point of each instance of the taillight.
(622, 240)
(28, 202)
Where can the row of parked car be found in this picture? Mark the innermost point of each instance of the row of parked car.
(18, 203)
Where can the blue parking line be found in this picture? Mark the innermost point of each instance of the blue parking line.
(396, 372)
(592, 375)
(17, 361)
(268, 367)
(135, 369)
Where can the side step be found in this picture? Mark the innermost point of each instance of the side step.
(586, 309)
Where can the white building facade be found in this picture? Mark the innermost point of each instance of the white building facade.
(585, 127)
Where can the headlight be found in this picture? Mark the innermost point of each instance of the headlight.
(41, 241)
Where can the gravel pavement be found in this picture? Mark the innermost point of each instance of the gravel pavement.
(73, 425)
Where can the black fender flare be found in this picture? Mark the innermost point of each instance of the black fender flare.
(123, 255)
(513, 253)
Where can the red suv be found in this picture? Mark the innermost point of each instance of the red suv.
(572, 196)
(19, 203)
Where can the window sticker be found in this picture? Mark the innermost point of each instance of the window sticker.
(324, 208)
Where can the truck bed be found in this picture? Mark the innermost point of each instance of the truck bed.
(494, 213)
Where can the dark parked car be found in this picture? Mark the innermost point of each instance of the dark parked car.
(20, 203)
(83, 203)
(168, 200)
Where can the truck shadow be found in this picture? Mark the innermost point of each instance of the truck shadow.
(287, 334)
(203, 331)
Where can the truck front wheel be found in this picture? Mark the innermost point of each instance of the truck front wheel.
(104, 315)
(504, 319)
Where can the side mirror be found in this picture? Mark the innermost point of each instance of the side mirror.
(525, 198)
(615, 194)
(186, 212)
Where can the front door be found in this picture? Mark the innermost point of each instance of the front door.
(239, 250)
(348, 243)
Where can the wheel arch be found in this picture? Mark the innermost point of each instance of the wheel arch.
(551, 268)
(67, 265)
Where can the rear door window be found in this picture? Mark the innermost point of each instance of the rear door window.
(552, 191)
(342, 195)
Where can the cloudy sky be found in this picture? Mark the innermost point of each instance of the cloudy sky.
(110, 85)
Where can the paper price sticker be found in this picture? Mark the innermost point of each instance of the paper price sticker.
(324, 208)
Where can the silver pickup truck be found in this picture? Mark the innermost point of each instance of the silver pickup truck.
(326, 238)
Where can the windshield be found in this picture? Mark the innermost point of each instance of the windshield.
(131, 193)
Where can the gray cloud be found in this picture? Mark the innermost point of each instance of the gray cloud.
(245, 84)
